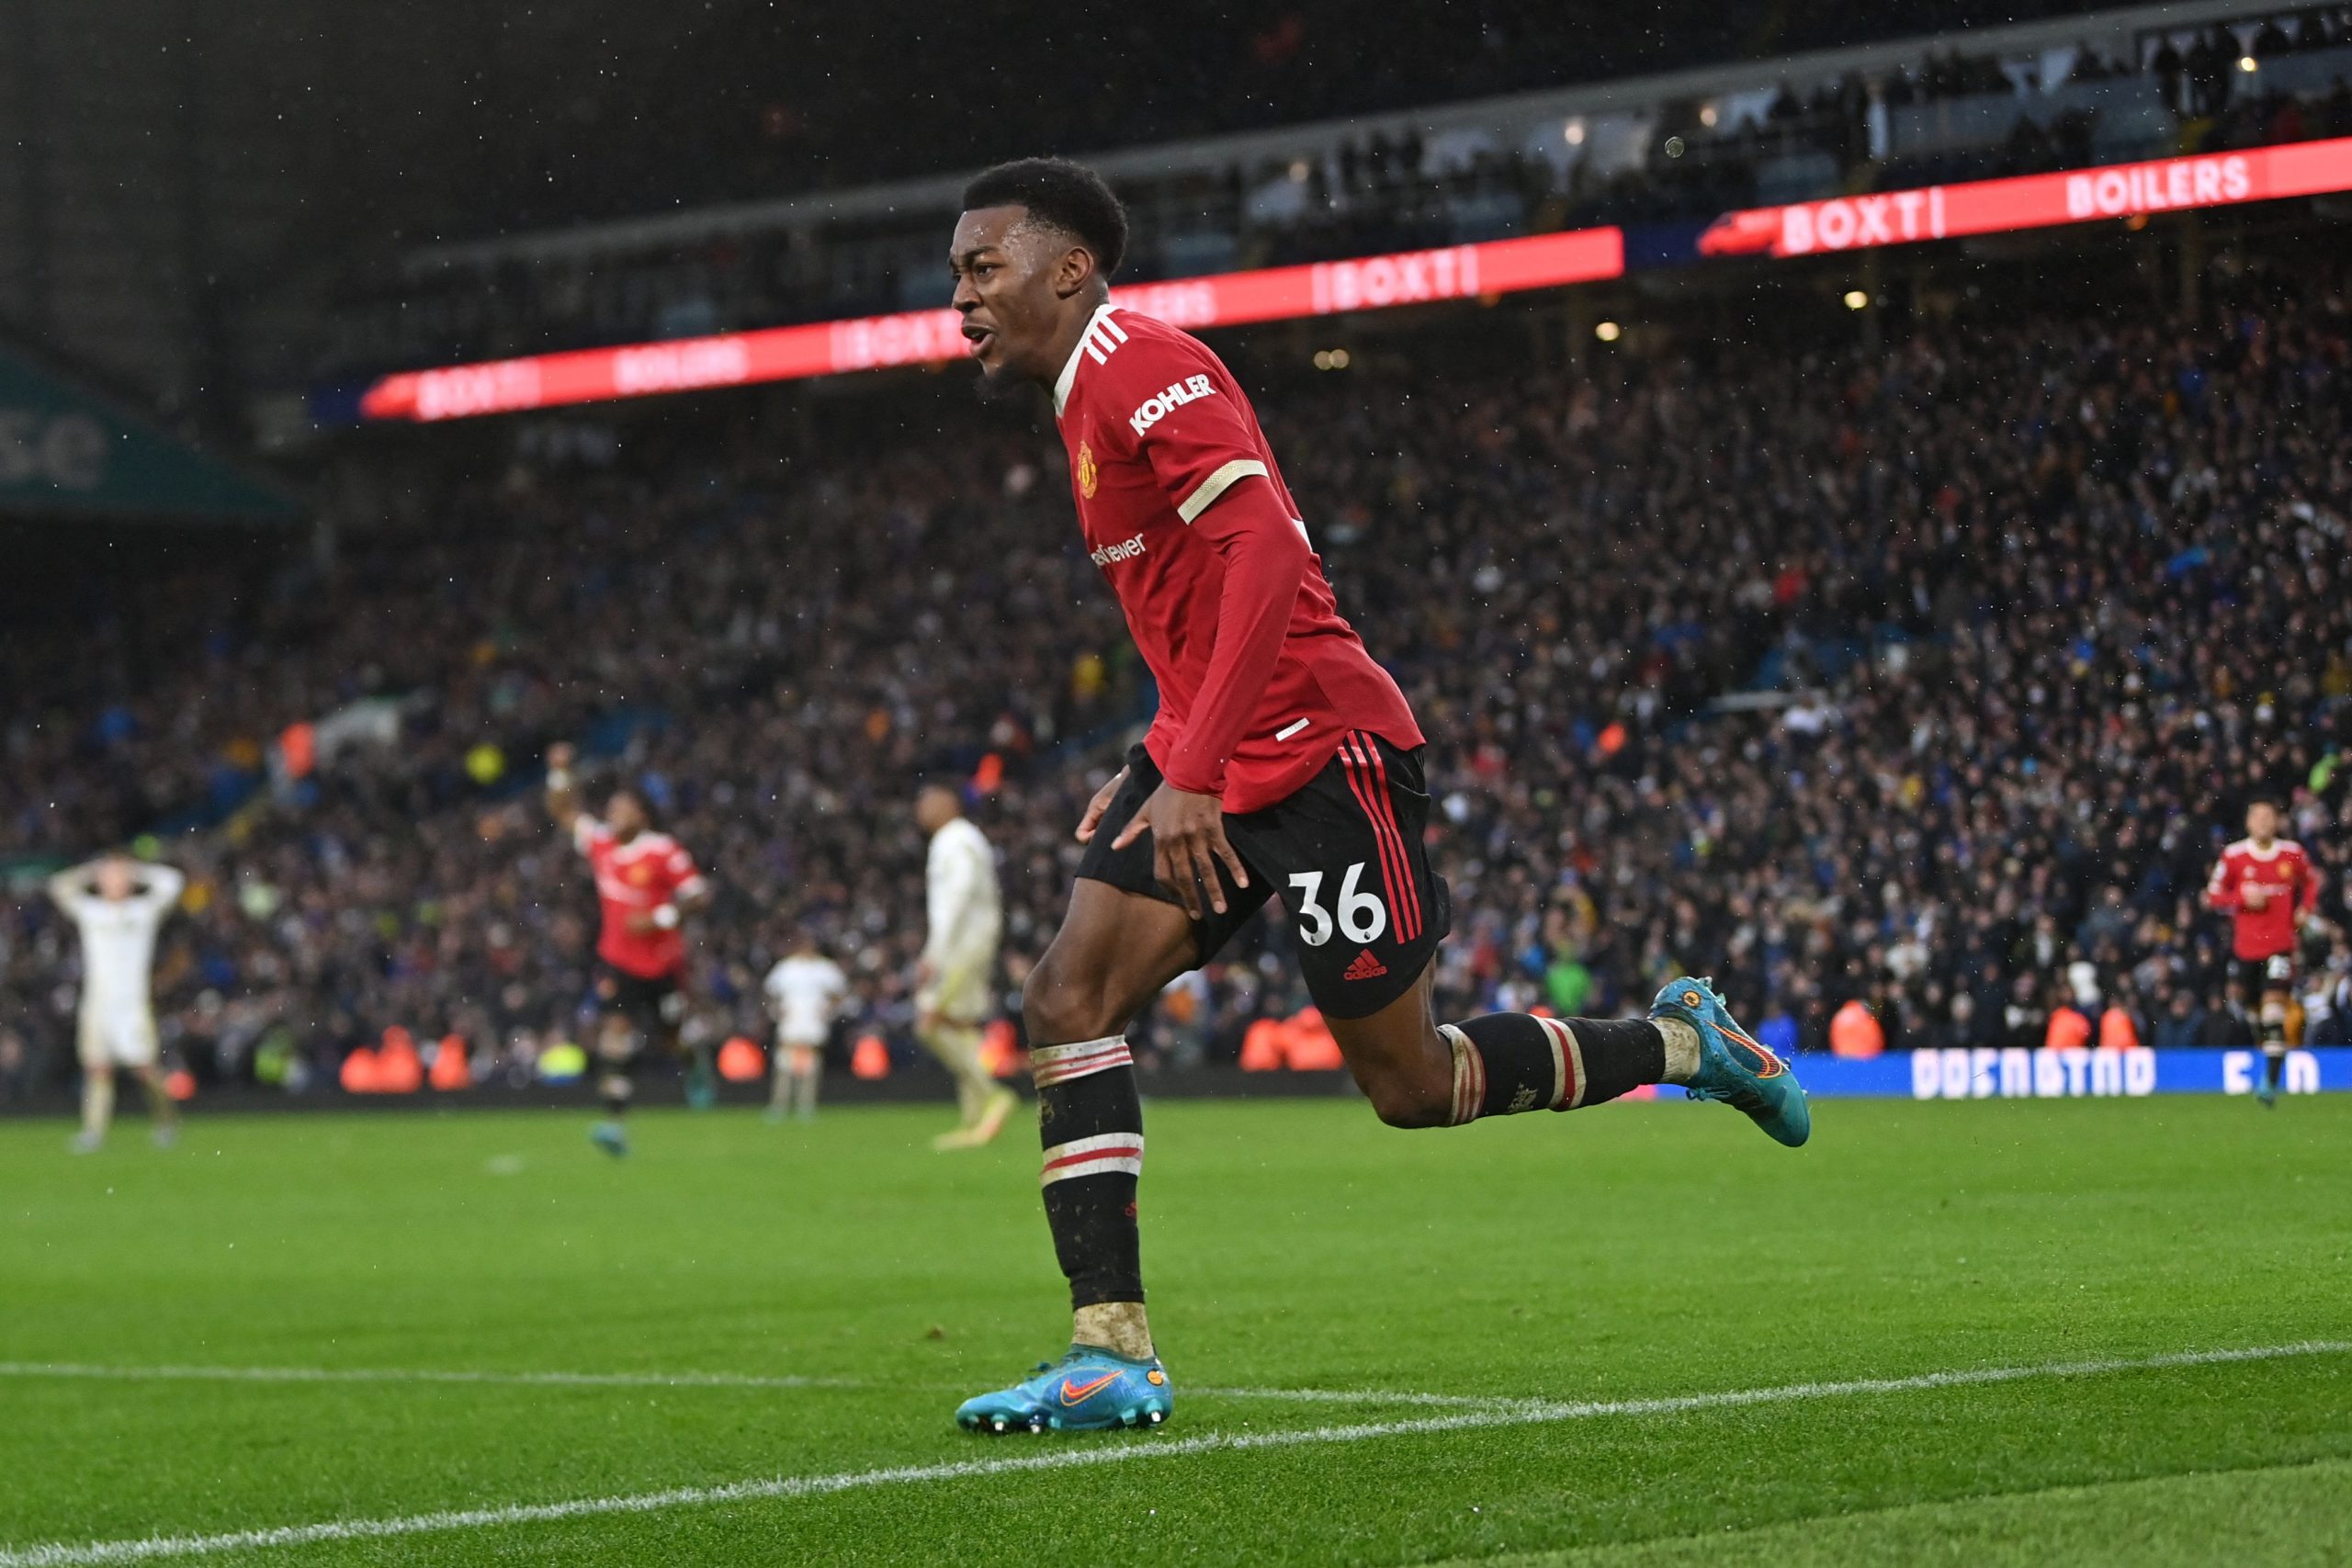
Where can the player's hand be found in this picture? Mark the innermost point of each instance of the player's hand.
(1187, 841)
(638, 923)
(1098, 805)
(562, 754)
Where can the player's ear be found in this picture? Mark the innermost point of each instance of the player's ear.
(1073, 272)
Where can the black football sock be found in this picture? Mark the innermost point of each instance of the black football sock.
(1091, 1119)
(2274, 1063)
(1509, 1062)
(616, 1091)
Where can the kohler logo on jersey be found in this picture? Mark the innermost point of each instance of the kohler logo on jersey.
(1126, 549)
(1178, 394)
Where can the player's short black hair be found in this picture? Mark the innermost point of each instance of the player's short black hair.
(1070, 196)
(2270, 801)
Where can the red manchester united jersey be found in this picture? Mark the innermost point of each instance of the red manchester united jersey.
(2266, 892)
(1258, 675)
(634, 879)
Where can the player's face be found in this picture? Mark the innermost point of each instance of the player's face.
(933, 809)
(624, 814)
(1012, 285)
(114, 877)
(2262, 823)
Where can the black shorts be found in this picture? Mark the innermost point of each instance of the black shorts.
(2260, 974)
(653, 1004)
(1345, 855)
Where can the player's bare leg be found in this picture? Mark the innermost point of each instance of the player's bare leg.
(1115, 951)
(793, 1083)
(1420, 1073)
(806, 1067)
(616, 1045)
(2278, 1024)
(982, 1104)
(160, 1105)
(98, 1109)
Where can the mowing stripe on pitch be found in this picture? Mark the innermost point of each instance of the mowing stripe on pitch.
(66, 1554)
(199, 1374)
(415, 1374)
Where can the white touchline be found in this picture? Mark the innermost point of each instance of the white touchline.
(65, 1554)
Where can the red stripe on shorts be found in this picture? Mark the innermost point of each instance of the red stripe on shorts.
(1360, 781)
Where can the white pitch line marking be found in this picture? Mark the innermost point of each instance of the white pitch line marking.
(67, 1554)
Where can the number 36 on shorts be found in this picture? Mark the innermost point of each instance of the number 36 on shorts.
(1362, 917)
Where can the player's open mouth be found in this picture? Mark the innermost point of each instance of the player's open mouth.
(979, 338)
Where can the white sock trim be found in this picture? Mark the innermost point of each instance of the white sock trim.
(1060, 1064)
(1105, 1155)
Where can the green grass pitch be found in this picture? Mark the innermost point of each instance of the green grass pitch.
(1523, 1271)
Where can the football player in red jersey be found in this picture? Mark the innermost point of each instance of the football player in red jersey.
(646, 884)
(1283, 762)
(2267, 886)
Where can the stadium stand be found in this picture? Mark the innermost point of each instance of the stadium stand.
(1930, 675)
(1662, 151)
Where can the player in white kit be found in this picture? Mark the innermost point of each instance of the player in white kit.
(958, 962)
(117, 903)
(805, 992)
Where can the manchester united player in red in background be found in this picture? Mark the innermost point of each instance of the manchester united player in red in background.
(2267, 886)
(645, 882)
(1283, 762)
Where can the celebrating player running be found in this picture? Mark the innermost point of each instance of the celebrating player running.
(645, 882)
(1283, 763)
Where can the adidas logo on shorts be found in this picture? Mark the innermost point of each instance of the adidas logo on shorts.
(1365, 967)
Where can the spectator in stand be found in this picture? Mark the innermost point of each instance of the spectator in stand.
(2069, 1029)
(1855, 1032)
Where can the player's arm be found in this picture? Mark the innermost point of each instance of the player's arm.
(164, 884)
(689, 891)
(70, 889)
(1266, 557)
(1206, 456)
(563, 789)
(2221, 889)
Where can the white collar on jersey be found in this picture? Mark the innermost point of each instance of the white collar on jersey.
(1070, 371)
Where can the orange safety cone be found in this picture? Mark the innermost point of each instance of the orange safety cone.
(450, 1068)
(358, 1075)
(739, 1061)
(869, 1058)
(398, 1069)
(999, 1052)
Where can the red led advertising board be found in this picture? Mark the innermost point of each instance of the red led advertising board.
(826, 348)
(2032, 201)
(1369, 283)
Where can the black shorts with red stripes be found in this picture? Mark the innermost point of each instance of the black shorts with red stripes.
(1345, 855)
(2259, 976)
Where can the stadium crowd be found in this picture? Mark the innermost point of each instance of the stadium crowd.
(1931, 676)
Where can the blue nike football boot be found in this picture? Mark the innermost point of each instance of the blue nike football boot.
(1733, 1067)
(1088, 1390)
